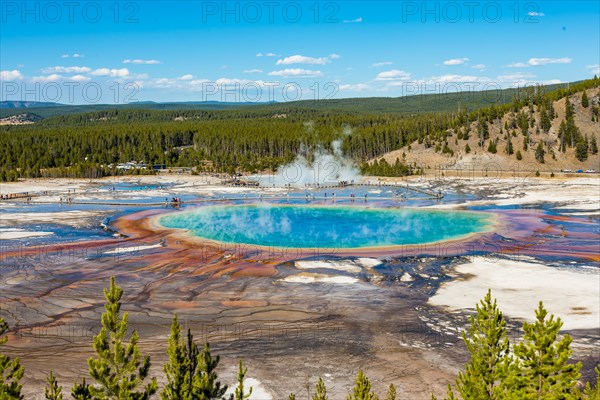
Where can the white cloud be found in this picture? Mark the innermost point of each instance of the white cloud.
(456, 61)
(534, 62)
(480, 67)
(544, 61)
(186, 77)
(66, 70)
(298, 59)
(231, 81)
(204, 84)
(516, 77)
(393, 75)
(381, 64)
(353, 21)
(138, 61)
(79, 78)
(266, 55)
(296, 73)
(355, 87)
(121, 73)
(75, 55)
(198, 82)
(452, 78)
(10, 75)
(253, 71)
(536, 14)
(594, 69)
(49, 78)
(164, 83)
(551, 82)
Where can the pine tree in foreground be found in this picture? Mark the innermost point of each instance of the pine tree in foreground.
(487, 342)
(118, 368)
(544, 372)
(592, 392)
(362, 388)
(11, 371)
(292, 396)
(321, 391)
(177, 369)
(240, 394)
(192, 352)
(53, 391)
(205, 384)
(391, 395)
(81, 391)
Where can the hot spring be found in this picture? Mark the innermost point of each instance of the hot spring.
(302, 226)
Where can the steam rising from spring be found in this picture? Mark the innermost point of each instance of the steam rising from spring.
(327, 167)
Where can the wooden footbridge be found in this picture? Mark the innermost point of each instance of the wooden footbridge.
(295, 194)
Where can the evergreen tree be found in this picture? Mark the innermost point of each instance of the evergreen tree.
(523, 123)
(595, 113)
(568, 109)
(11, 371)
(509, 146)
(593, 145)
(205, 384)
(82, 391)
(292, 396)
(321, 391)
(484, 132)
(362, 388)
(177, 369)
(545, 121)
(518, 155)
(562, 134)
(467, 149)
(487, 342)
(53, 391)
(584, 100)
(592, 392)
(492, 147)
(581, 149)
(118, 367)
(192, 357)
(551, 111)
(540, 152)
(391, 394)
(239, 390)
(543, 369)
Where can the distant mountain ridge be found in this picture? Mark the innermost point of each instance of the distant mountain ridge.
(27, 104)
(46, 110)
(414, 104)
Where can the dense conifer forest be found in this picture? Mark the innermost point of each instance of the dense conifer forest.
(252, 139)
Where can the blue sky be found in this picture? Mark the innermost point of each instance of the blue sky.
(115, 52)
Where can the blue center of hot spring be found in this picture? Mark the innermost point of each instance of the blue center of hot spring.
(325, 226)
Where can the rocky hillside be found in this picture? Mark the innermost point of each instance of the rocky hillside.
(21, 119)
(506, 144)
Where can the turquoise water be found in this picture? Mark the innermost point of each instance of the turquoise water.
(325, 226)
